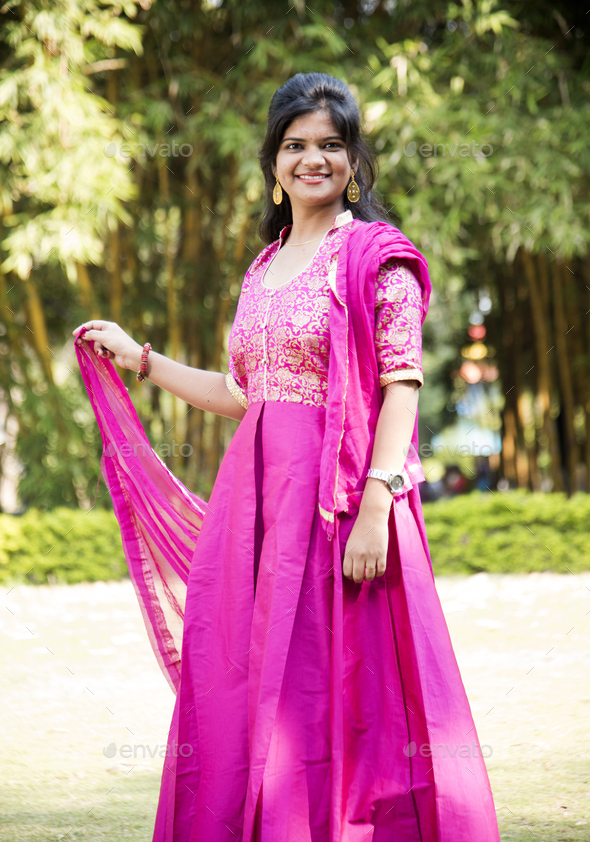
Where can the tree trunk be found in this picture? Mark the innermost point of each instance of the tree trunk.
(509, 427)
(543, 347)
(38, 327)
(565, 378)
(517, 397)
(509, 445)
(87, 298)
(116, 290)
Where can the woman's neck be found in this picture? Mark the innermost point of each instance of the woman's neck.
(313, 222)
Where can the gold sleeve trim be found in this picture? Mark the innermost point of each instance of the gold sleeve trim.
(235, 391)
(402, 374)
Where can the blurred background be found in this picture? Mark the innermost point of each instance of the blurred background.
(130, 188)
(129, 191)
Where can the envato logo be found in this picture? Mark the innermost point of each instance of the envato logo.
(426, 451)
(126, 751)
(162, 449)
(473, 449)
(466, 150)
(136, 150)
(462, 749)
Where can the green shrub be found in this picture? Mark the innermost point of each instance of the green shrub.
(509, 532)
(62, 545)
(513, 532)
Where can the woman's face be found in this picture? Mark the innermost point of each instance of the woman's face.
(312, 162)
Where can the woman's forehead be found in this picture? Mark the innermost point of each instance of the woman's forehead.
(317, 125)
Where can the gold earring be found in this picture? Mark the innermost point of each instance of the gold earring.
(352, 191)
(277, 193)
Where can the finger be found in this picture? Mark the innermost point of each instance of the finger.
(348, 563)
(95, 335)
(95, 324)
(381, 567)
(358, 571)
(369, 572)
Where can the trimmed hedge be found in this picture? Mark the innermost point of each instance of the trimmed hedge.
(509, 532)
(513, 532)
(62, 546)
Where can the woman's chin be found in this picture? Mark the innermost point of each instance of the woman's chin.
(312, 200)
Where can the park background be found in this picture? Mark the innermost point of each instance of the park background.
(129, 190)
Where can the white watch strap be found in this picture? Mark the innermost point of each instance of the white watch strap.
(387, 476)
(375, 473)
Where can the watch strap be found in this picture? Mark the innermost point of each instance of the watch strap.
(395, 482)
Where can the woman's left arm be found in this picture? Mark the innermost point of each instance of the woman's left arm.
(366, 549)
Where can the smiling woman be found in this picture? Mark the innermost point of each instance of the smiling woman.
(315, 656)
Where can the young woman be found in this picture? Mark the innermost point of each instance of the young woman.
(319, 698)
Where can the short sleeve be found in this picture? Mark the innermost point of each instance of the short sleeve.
(237, 385)
(398, 323)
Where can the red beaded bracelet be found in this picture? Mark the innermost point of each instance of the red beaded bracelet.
(142, 373)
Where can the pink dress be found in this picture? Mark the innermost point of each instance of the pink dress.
(250, 741)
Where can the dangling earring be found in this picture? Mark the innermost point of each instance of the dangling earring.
(277, 193)
(352, 192)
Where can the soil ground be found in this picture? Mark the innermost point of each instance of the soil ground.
(78, 678)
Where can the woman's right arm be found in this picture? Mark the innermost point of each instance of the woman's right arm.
(204, 389)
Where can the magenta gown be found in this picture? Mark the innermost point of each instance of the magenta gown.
(252, 740)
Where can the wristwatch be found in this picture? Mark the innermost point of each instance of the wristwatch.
(395, 482)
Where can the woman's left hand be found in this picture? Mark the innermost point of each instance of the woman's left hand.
(366, 549)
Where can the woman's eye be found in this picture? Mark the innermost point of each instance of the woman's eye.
(331, 143)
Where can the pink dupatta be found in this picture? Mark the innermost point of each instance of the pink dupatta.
(159, 517)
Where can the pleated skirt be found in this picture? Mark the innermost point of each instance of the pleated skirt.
(311, 708)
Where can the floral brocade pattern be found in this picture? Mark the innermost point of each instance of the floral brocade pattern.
(279, 344)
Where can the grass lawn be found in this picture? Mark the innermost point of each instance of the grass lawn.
(78, 677)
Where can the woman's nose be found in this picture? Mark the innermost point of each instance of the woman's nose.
(314, 156)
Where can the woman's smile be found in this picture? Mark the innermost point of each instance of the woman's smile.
(312, 178)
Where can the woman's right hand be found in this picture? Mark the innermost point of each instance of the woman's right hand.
(111, 341)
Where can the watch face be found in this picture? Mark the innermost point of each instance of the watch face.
(397, 482)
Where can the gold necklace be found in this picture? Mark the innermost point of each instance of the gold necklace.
(307, 241)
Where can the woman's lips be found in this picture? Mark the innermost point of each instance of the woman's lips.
(313, 179)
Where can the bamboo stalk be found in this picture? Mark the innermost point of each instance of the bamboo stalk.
(38, 328)
(86, 291)
(509, 428)
(116, 288)
(543, 344)
(565, 378)
(523, 469)
(509, 445)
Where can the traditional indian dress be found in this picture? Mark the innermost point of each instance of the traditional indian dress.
(309, 708)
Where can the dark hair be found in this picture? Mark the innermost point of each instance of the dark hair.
(303, 94)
